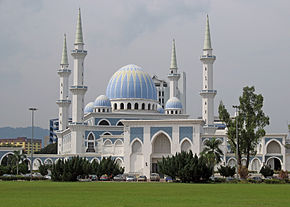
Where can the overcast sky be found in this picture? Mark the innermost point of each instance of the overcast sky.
(251, 40)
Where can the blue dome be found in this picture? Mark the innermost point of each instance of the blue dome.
(131, 81)
(102, 101)
(173, 103)
(89, 107)
(160, 109)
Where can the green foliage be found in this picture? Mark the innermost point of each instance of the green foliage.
(251, 122)
(274, 181)
(49, 149)
(266, 171)
(18, 177)
(186, 167)
(4, 170)
(212, 152)
(75, 167)
(227, 171)
(43, 169)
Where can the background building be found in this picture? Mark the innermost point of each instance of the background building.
(23, 142)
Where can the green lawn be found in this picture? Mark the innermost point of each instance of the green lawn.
(44, 193)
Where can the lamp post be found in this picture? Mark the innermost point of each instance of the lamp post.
(237, 137)
(31, 143)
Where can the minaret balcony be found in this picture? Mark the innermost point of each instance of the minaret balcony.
(78, 89)
(63, 102)
(77, 51)
(207, 57)
(208, 92)
(63, 71)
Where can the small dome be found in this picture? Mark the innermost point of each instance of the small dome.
(89, 108)
(102, 101)
(173, 103)
(160, 109)
(131, 81)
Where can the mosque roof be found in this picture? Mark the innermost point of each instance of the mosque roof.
(102, 101)
(173, 103)
(89, 107)
(131, 81)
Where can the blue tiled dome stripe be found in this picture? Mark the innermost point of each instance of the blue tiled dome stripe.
(131, 81)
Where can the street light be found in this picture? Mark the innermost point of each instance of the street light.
(237, 137)
(31, 143)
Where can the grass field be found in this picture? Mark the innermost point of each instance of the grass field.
(43, 193)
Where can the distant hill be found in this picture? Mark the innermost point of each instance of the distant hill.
(9, 132)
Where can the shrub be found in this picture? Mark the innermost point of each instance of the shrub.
(266, 171)
(227, 171)
(186, 166)
(4, 170)
(283, 174)
(274, 181)
(43, 169)
(76, 167)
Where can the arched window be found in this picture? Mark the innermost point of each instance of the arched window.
(91, 147)
(91, 136)
(104, 122)
(129, 106)
(115, 106)
(103, 110)
(143, 106)
(121, 106)
(149, 107)
(107, 133)
(120, 124)
(136, 106)
(99, 110)
(175, 112)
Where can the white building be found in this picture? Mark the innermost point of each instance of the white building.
(137, 129)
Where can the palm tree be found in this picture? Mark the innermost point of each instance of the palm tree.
(212, 151)
(18, 157)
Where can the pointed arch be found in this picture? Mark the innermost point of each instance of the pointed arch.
(273, 147)
(161, 143)
(95, 159)
(186, 145)
(104, 122)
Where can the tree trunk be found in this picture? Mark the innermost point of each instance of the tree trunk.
(248, 158)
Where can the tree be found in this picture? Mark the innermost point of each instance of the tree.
(186, 166)
(17, 158)
(227, 171)
(49, 149)
(266, 171)
(212, 151)
(251, 123)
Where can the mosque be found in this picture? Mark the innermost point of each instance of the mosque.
(141, 119)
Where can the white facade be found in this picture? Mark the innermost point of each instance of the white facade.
(128, 125)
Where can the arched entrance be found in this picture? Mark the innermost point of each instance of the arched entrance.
(256, 165)
(136, 158)
(7, 159)
(185, 146)
(274, 163)
(273, 148)
(161, 147)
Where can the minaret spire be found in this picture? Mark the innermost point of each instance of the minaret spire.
(63, 101)
(79, 32)
(208, 93)
(64, 59)
(173, 75)
(173, 64)
(207, 41)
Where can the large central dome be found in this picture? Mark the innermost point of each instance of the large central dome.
(131, 81)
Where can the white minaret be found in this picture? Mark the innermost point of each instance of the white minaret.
(207, 93)
(63, 102)
(173, 76)
(78, 89)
